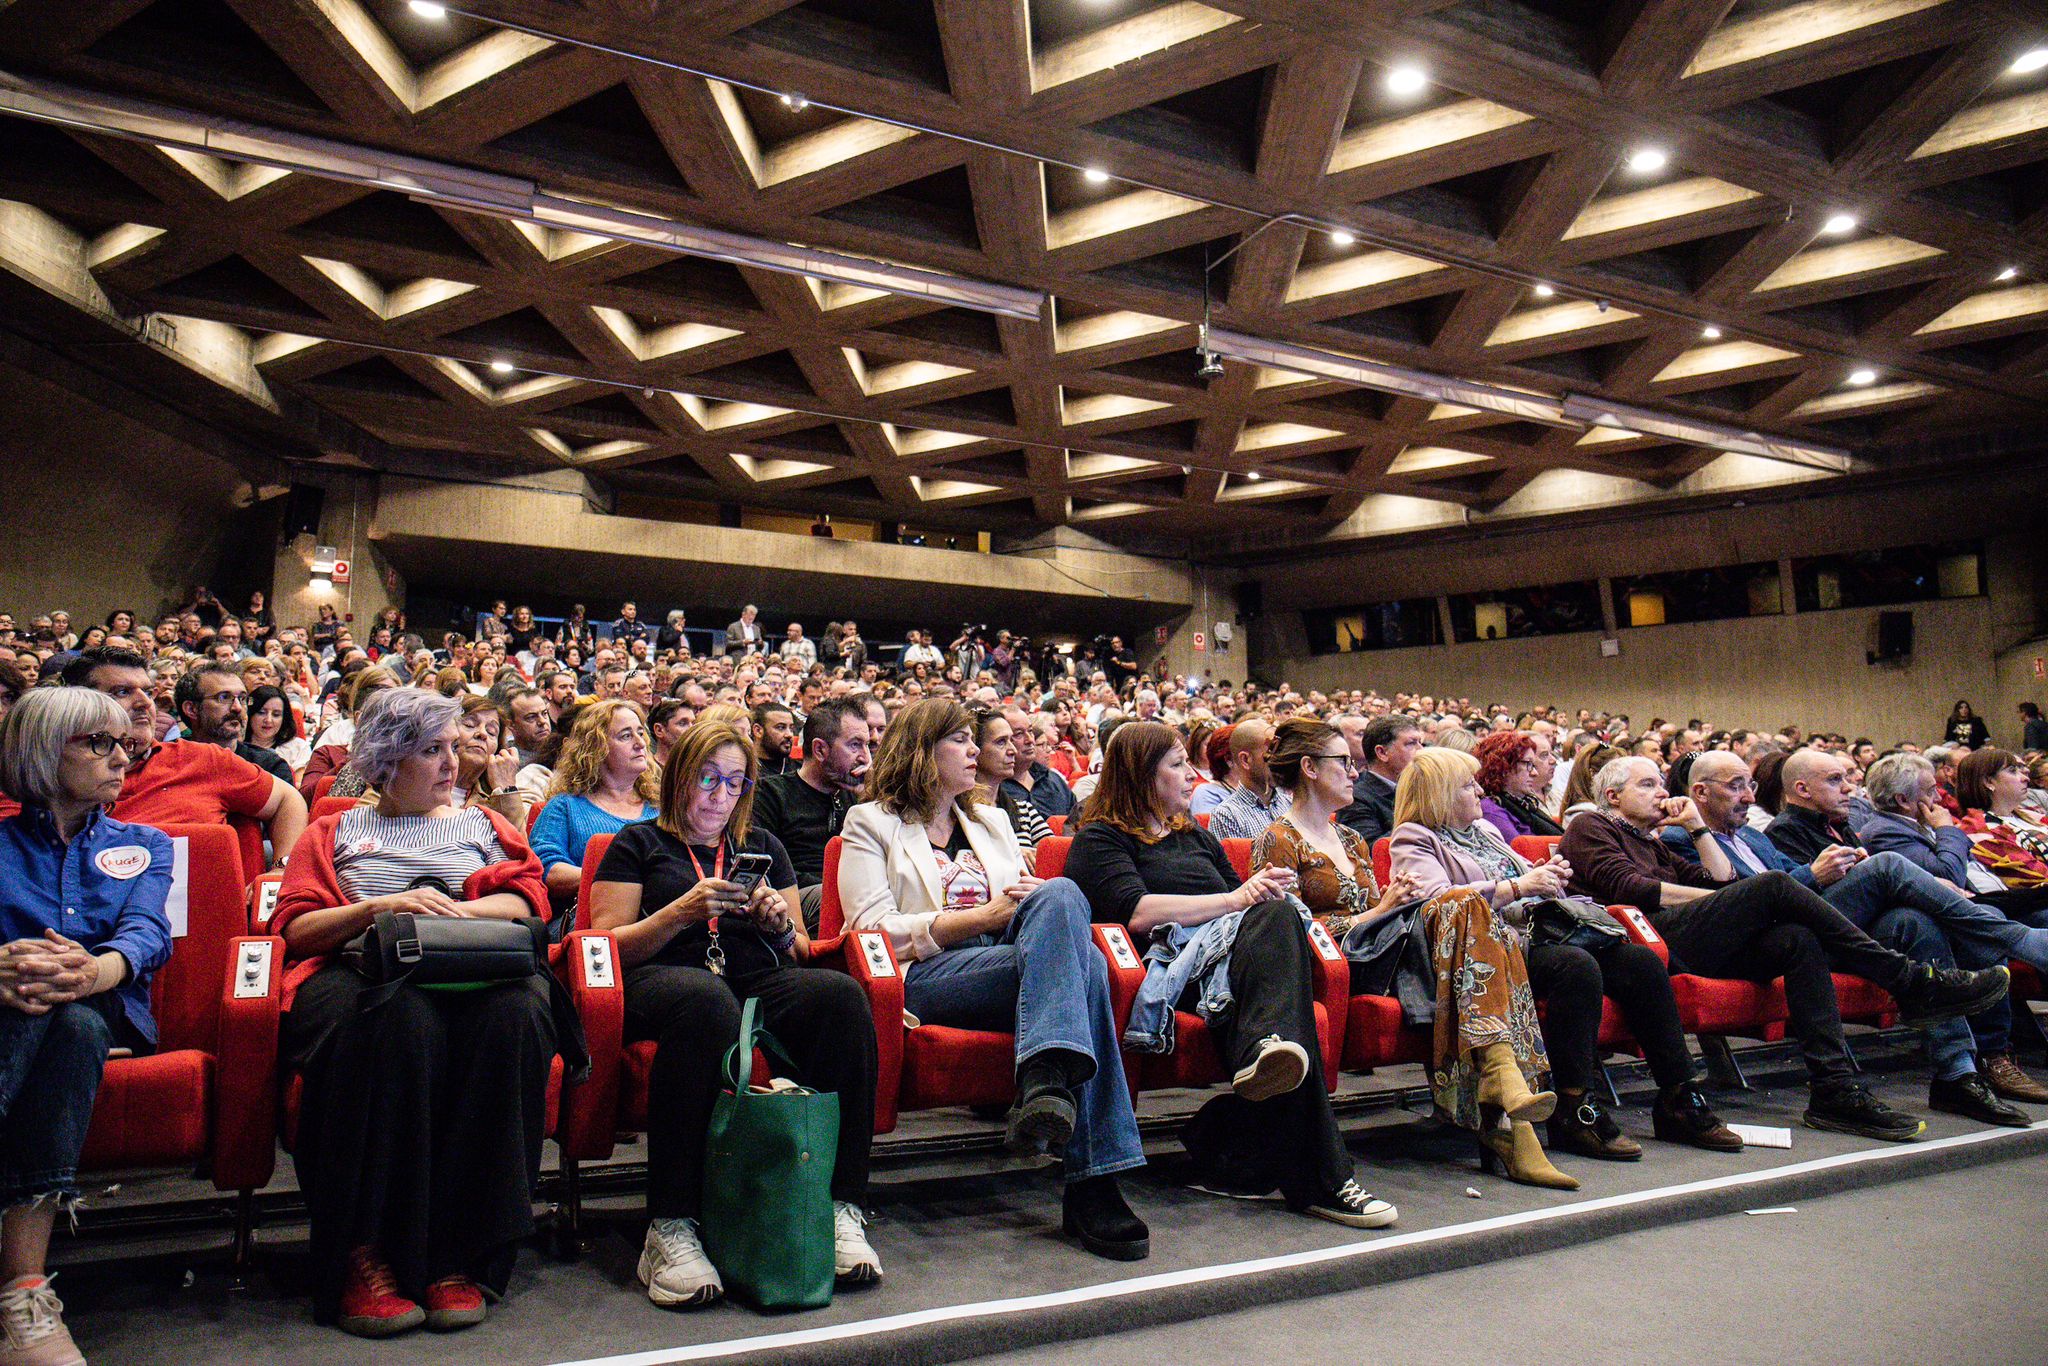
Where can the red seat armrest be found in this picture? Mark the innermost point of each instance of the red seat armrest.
(245, 1074)
(1330, 978)
(872, 961)
(1640, 931)
(588, 964)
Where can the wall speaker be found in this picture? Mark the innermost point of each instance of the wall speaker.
(1894, 637)
(302, 507)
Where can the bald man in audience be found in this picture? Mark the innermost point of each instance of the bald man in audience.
(1758, 927)
(1887, 897)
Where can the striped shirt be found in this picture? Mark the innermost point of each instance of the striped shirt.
(377, 855)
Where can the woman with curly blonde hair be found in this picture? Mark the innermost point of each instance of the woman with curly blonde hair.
(605, 780)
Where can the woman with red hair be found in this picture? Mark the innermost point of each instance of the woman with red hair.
(1511, 774)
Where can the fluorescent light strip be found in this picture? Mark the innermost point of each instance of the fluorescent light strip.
(1392, 379)
(459, 187)
(1600, 412)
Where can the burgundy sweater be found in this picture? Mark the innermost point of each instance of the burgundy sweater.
(1616, 864)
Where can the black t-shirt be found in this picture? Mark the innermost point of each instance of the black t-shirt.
(803, 818)
(658, 861)
(519, 638)
(1116, 870)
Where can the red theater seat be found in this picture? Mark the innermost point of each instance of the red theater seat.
(205, 1099)
(1056, 824)
(331, 806)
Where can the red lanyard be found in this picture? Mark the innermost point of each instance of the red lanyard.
(714, 956)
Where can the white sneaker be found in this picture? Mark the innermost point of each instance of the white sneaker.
(32, 1330)
(1278, 1069)
(853, 1258)
(1354, 1207)
(674, 1268)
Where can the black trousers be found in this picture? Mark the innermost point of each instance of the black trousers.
(420, 1128)
(1769, 926)
(1572, 982)
(1272, 992)
(693, 1015)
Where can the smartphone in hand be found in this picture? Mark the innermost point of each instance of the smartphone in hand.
(749, 870)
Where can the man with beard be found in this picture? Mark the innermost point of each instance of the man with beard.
(213, 702)
(805, 806)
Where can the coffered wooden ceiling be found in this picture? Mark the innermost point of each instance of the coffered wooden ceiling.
(1524, 160)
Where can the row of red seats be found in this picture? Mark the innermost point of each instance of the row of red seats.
(212, 1096)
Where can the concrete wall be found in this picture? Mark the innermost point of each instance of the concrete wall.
(345, 520)
(1808, 668)
(101, 511)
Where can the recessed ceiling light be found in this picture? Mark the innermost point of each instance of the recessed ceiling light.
(795, 100)
(2009, 273)
(1711, 332)
(1342, 238)
(1408, 80)
(501, 367)
(2033, 59)
(1252, 476)
(425, 9)
(1095, 175)
(1647, 159)
(1839, 223)
(1865, 375)
(1543, 291)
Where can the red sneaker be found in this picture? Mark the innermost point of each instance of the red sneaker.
(371, 1306)
(454, 1302)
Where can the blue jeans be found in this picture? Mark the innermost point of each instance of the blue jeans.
(1909, 909)
(1044, 980)
(50, 1068)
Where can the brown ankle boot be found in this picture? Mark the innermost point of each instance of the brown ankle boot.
(2008, 1082)
(1517, 1150)
(1581, 1126)
(1502, 1086)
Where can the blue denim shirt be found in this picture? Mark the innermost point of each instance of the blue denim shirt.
(1177, 956)
(106, 890)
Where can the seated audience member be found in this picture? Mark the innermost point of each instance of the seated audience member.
(274, 725)
(694, 946)
(940, 872)
(529, 721)
(331, 746)
(1911, 821)
(1235, 953)
(1390, 742)
(489, 771)
(14, 685)
(1760, 928)
(419, 1193)
(1073, 747)
(1254, 800)
(605, 780)
(775, 732)
(993, 770)
(1331, 865)
(1033, 783)
(184, 781)
(667, 720)
(1767, 772)
(80, 943)
(1888, 897)
(1576, 956)
(1991, 787)
(213, 706)
(1514, 778)
(1215, 755)
(805, 808)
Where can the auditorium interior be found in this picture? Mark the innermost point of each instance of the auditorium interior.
(1582, 366)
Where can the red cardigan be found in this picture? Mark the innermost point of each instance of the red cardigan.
(310, 883)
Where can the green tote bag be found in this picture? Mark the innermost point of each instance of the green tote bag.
(768, 1183)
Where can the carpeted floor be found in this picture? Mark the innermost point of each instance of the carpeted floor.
(961, 1233)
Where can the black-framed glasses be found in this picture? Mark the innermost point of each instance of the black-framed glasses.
(103, 743)
(1350, 764)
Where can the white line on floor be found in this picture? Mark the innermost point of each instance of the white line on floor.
(1139, 1285)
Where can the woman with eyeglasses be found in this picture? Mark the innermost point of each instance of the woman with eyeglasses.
(1512, 777)
(82, 927)
(605, 780)
(700, 929)
(984, 945)
(1530, 942)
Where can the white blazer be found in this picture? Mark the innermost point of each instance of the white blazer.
(889, 880)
